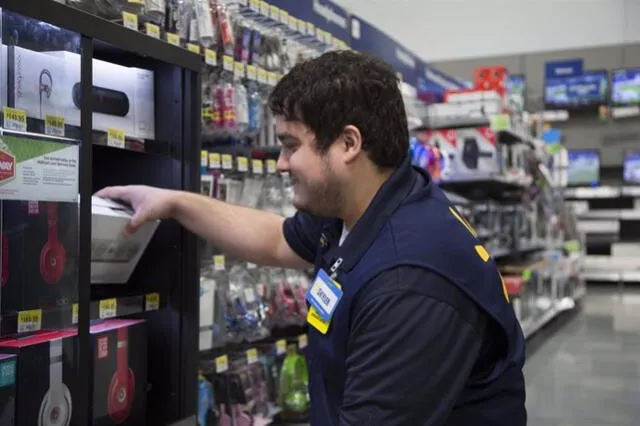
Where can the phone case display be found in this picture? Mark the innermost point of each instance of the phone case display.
(119, 350)
(46, 378)
(7, 390)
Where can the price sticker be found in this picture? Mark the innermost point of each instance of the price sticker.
(303, 341)
(274, 12)
(194, 48)
(251, 265)
(108, 308)
(74, 314)
(29, 320)
(222, 364)
(173, 39)
(281, 347)
(254, 5)
(500, 122)
(271, 166)
(272, 78)
(204, 158)
(152, 302)
(227, 63)
(264, 8)
(115, 138)
(284, 17)
(214, 160)
(252, 356)
(210, 57)
(311, 29)
(130, 20)
(243, 164)
(227, 162)
(54, 125)
(293, 23)
(152, 30)
(218, 262)
(262, 76)
(15, 119)
(252, 72)
(238, 69)
(257, 166)
(136, 1)
(320, 35)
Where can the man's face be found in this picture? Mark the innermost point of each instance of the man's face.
(316, 186)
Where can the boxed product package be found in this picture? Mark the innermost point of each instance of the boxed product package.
(119, 352)
(7, 390)
(47, 378)
(115, 255)
(39, 258)
(477, 151)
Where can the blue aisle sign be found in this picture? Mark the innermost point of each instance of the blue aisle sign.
(323, 14)
(432, 83)
(564, 68)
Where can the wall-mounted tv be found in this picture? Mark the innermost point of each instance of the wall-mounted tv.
(631, 167)
(625, 86)
(583, 168)
(587, 89)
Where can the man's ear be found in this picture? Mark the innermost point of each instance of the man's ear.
(352, 140)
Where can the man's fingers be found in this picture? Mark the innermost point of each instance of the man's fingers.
(111, 192)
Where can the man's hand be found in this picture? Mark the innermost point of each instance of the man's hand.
(147, 202)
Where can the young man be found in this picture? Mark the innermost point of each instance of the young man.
(410, 323)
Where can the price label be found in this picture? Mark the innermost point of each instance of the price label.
(54, 125)
(252, 72)
(218, 262)
(193, 48)
(152, 30)
(320, 35)
(500, 122)
(272, 78)
(130, 20)
(293, 23)
(262, 76)
(302, 26)
(222, 364)
(274, 13)
(29, 320)
(284, 17)
(271, 166)
(108, 308)
(227, 162)
(152, 302)
(281, 347)
(210, 57)
(15, 119)
(173, 39)
(303, 341)
(214, 160)
(204, 158)
(251, 265)
(136, 1)
(252, 356)
(254, 5)
(115, 138)
(311, 29)
(74, 314)
(238, 69)
(243, 164)
(227, 63)
(264, 8)
(257, 166)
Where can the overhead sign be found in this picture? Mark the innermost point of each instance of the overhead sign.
(432, 83)
(323, 14)
(564, 69)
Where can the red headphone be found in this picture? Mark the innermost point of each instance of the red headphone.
(53, 256)
(123, 383)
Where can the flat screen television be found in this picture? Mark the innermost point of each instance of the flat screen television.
(588, 89)
(631, 167)
(583, 168)
(625, 87)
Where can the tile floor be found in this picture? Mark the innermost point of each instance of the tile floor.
(588, 372)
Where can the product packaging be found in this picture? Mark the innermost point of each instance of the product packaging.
(7, 390)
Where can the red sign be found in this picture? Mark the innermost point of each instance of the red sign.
(7, 166)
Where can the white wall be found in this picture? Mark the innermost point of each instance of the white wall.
(453, 29)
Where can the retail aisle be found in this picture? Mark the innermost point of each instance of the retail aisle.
(588, 372)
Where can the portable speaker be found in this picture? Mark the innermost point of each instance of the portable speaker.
(105, 101)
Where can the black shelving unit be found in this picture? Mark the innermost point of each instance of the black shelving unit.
(170, 266)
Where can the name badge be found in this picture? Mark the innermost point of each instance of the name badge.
(324, 295)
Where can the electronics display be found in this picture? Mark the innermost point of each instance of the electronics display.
(583, 168)
(7, 390)
(625, 86)
(631, 167)
(588, 89)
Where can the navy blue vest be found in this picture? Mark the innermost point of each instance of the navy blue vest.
(410, 223)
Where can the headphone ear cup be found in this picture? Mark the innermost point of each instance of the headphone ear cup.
(44, 408)
(58, 415)
(132, 389)
(121, 396)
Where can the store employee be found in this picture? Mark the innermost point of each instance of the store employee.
(410, 322)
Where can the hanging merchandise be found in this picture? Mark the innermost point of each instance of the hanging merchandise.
(205, 23)
(206, 403)
(245, 321)
(294, 385)
(241, 102)
(256, 107)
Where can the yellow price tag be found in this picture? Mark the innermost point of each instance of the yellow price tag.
(264, 8)
(303, 341)
(252, 356)
(252, 72)
(193, 48)
(74, 314)
(243, 164)
(254, 5)
(262, 76)
(15, 119)
(210, 57)
(218, 262)
(257, 166)
(272, 78)
(29, 320)
(108, 308)
(204, 158)
(271, 166)
(281, 346)
(293, 22)
(173, 39)
(152, 302)
(274, 12)
(130, 20)
(152, 30)
(54, 125)
(222, 364)
(238, 69)
(227, 63)
(136, 1)
(115, 138)
(500, 122)
(227, 162)
(311, 29)
(214, 160)
(284, 17)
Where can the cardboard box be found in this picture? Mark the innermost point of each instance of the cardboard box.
(115, 255)
(477, 152)
(7, 390)
(119, 352)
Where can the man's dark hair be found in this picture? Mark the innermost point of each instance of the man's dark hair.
(347, 88)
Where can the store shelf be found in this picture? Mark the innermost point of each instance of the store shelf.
(484, 187)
